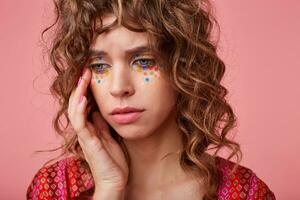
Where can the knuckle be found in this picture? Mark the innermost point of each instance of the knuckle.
(78, 126)
(94, 142)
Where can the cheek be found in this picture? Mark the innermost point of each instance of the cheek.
(147, 73)
(99, 77)
(99, 95)
(98, 89)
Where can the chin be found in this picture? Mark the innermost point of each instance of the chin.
(132, 133)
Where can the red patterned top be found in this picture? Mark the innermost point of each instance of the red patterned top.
(68, 179)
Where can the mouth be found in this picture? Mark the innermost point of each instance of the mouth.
(126, 117)
(126, 109)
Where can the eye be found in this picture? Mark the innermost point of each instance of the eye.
(144, 62)
(99, 67)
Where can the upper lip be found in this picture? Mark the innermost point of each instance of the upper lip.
(126, 109)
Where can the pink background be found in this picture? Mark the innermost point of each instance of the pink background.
(259, 43)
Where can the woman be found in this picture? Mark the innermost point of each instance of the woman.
(147, 107)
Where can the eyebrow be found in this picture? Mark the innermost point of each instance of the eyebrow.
(135, 50)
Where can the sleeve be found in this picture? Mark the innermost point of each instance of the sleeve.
(64, 180)
(243, 183)
(48, 183)
(259, 189)
(38, 189)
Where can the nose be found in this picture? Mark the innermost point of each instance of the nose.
(121, 82)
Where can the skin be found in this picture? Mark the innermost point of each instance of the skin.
(148, 140)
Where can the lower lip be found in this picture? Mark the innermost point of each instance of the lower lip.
(126, 118)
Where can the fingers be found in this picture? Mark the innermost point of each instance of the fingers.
(77, 113)
(84, 82)
(79, 84)
(78, 101)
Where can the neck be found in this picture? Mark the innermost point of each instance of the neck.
(154, 162)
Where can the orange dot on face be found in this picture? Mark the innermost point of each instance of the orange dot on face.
(145, 73)
(106, 72)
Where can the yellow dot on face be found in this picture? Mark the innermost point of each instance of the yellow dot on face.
(139, 69)
(151, 73)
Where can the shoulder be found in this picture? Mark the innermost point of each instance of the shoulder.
(65, 179)
(243, 183)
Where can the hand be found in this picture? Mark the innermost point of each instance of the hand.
(103, 154)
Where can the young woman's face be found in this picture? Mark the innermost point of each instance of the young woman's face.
(125, 73)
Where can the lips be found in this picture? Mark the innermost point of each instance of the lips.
(126, 109)
(126, 115)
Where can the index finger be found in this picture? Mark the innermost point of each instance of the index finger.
(82, 86)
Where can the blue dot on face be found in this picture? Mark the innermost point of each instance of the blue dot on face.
(147, 79)
(98, 81)
(144, 67)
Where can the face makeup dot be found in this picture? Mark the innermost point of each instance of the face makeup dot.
(147, 71)
(101, 76)
(144, 67)
(106, 72)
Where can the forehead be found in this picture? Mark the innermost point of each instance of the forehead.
(118, 37)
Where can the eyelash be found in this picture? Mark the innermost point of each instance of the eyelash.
(93, 66)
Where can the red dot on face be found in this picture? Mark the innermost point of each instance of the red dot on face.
(145, 73)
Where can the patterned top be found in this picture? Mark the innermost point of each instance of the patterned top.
(67, 179)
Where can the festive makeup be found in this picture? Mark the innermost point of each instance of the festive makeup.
(141, 60)
(100, 68)
(147, 68)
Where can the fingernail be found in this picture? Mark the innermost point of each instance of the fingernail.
(79, 81)
(84, 70)
(81, 98)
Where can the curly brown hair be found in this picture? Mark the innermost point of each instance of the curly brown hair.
(182, 32)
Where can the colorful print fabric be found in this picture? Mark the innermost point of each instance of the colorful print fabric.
(68, 180)
(242, 184)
